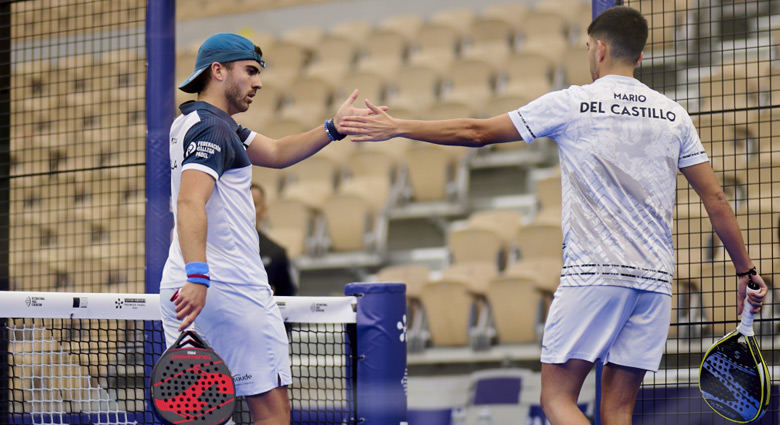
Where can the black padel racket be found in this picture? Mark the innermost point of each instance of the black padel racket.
(190, 384)
(733, 378)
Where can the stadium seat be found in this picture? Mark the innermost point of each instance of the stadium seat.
(512, 13)
(308, 100)
(413, 275)
(717, 283)
(470, 82)
(474, 242)
(307, 37)
(285, 62)
(541, 238)
(383, 53)
(296, 216)
(372, 86)
(548, 191)
(527, 74)
(278, 128)
(505, 222)
(358, 31)
(270, 179)
(574, 70)
(435, 47)
(334, 58)
(491, 40)
(407, 26)
(350, 223)
(459, 19)
(265, 105)
(448, 307)
(415, 88)
(430, 170)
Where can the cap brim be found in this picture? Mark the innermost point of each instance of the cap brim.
(188, 85)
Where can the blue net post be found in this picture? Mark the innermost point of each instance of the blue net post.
(160, 110)
(380, 393)
(599, 6)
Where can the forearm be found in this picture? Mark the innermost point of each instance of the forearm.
(454, 132)
(726, 227)
(192, 227)
(288, 150)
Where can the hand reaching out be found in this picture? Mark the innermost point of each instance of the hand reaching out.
(347, 110)
(375, 126)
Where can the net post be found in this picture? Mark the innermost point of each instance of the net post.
(160, 110)
(5, 147)
(380, 393)
(602, 5)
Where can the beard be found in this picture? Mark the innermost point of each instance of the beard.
(237, 100)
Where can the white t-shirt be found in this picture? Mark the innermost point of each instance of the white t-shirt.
(207, 139)
(620, 145)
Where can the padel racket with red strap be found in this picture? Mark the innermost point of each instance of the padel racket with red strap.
(190, 384)
(733, 378)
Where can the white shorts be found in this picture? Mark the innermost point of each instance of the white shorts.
(242, 323)
(624, 326)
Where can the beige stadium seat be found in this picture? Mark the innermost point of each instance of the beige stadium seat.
(665, 18)
(475, 273)
(476, 243)
(284, 64)
(408, 26)
(491, 40)
(429, 168)
(339, 152)
(553, 47)
(373, 189)
(314, 168)
(123, 68)
(435, 47)
(372, 86)
(291, 222)
(548, 192)
(512, 13)
(313, 193)
(307, 37)
(546, 272)
(544, 24)
(514, 302)
(394, 148)
(527, 74)
(383, 53)
(459, 19)
(270, 179)
(349, 221)
(278, 128)
(263, 108)
(415, 88)
(357, 31)
(448, 307)
(503, 221)
(540, 239)
(575, 69)
(470, 82)
(307, 99)
(33, 276)
(334, 58)
(413, 275)
(717, 282)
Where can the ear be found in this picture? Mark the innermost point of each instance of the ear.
(218, 71)
(641, 56)
(601, 52)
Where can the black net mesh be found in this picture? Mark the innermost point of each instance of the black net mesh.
(717, 59)
(76, 145)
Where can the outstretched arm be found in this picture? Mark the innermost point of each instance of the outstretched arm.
(288, 150)
(705, 183)
(457, 132)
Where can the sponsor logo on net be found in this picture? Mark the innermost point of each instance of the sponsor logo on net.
(131, 303)
(32, 301)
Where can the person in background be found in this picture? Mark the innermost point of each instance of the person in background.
(281, 273)
(620, 146)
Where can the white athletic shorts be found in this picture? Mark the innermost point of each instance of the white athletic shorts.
(624, 326)
(242, 323)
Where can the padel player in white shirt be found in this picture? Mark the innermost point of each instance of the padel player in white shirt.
(620, 146)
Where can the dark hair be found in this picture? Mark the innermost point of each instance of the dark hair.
(200, 83)
(624, 29)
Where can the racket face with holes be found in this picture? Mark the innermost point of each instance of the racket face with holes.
(734, 380)
(192, 385)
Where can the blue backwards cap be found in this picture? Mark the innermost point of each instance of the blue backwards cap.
(222, 47)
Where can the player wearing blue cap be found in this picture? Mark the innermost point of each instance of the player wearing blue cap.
(620, 145)
(214, 276)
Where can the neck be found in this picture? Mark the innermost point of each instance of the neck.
(218, 101)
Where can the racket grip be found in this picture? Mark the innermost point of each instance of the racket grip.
(746, 325)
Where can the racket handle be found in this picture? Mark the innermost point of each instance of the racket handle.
(746, 325)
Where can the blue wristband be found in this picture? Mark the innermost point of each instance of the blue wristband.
(198, 273)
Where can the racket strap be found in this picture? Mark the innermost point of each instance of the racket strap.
(746, 324)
